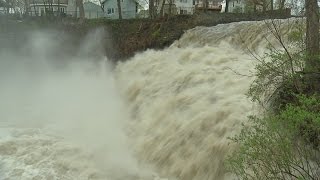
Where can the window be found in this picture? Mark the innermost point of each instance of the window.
(183, 11)
(42, 11)
(110, 11)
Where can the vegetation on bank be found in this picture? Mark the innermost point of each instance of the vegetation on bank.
(124, 38)
(285, 142)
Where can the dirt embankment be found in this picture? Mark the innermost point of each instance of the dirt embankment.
(131, 36)
(124, 38)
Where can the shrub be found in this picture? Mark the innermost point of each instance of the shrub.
(282, 146)
(279, 71)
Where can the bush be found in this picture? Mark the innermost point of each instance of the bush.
(279, 71)
(283, 146)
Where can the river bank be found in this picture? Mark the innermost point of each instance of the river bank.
(122, 39)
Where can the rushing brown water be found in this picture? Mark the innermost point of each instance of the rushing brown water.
(161, 114)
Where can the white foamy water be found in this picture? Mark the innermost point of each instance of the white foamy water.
(186, 100)
(161, 114)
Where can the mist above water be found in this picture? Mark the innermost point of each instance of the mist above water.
(61, 116)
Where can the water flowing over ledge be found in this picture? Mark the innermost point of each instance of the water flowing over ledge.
(161, 114)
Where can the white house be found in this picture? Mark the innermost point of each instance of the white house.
(190, 6)
(129, 9)
(92, 10)
(45, 7)
(184, 6)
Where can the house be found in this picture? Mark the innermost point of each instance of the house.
(8, 7)
(92, 10)
(47, 7)
(189, 6)
(184, 6)
(50, 7)
(208, 5)
(129, 9)
(174, 6)
(236, 6)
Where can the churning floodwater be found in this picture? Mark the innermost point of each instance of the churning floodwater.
(160, 115)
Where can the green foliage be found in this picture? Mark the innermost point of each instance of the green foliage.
(280, 67)
(156, 33)
(273, 148)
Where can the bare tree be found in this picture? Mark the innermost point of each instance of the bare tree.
(263, 4)
(227, 6)
(119, 9)
(59, 13)
(79, 5)
(312, 43)
(170, 7)
(162, 7)
(281, 4)
(151, 9)
(101, 5)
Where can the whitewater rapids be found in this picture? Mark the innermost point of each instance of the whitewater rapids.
(165, 113)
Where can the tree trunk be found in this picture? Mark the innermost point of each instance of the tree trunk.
(34, 9)
(226, 9)
(271, 5)
(119, 8)
(264, 7)
(26, 6)
(101, 5)
(282, 2)
(151, 9)
(76, 10)
(170, 8)
(45, 8)
(51, 7)
(312, 43)
(59, 13)
(204, 5)
(81, 9)
(162, 6)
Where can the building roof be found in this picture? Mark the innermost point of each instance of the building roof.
(89, 6)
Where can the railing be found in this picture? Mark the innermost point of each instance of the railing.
(90, 14)
(209, 6)
(48, 2)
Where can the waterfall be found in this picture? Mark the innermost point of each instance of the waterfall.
(161, 114)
